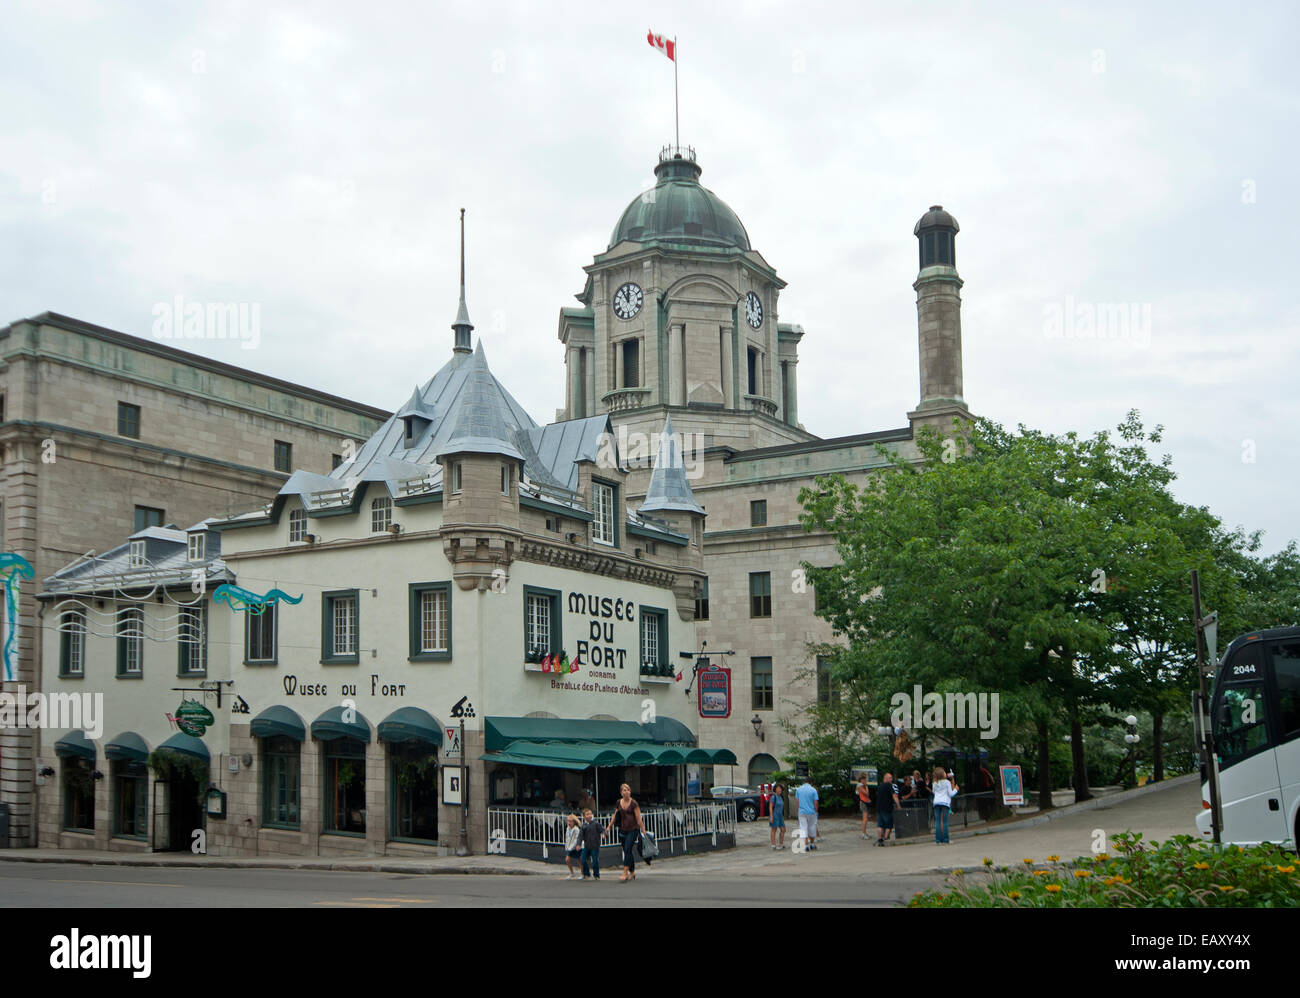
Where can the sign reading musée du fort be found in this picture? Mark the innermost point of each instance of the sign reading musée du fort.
(609, 629)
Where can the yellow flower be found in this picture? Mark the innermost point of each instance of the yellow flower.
(1042, 873)
(1111, 881)
(1053, 888)
(1286, 869)
(1053, 859)
(1014, 895)
(988, 861)
(1223, 888)
(1102, 857)
(1082, 873)
(1200, 866)
(1027, 862)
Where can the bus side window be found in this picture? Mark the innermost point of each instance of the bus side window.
(1286, 670)
(1242, 721)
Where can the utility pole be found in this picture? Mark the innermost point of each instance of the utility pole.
(1208, 760)
(462, 847)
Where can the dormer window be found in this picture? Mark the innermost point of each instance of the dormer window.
(602, 508)
(198, 546)
(136, 557)
(297, 525)
(381, 514)
(413, 429)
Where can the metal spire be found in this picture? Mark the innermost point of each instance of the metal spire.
(462, 326)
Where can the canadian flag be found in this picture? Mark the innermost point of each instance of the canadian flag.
(665, 45)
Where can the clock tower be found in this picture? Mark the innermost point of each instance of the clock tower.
(679, 314)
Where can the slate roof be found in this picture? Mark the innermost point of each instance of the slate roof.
(669, 489)
(166, 563)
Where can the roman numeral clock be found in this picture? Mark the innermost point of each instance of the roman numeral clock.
(753, 310)
(627, 301)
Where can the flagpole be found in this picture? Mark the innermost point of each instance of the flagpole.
(677, 121)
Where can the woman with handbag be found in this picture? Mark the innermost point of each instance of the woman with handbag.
(627, 812)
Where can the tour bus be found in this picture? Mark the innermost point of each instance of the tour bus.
(1255, 713)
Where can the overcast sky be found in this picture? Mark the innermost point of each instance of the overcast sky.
(311, 159)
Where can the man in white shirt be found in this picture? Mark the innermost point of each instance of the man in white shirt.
(808, 809)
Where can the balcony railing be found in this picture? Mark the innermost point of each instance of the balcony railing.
(622, 399)
(759, 404)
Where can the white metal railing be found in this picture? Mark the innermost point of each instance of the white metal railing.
(546, 826)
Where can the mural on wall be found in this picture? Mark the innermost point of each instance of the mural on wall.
(13, 569)
(246, 600)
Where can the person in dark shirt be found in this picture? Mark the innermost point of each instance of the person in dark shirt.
(592, 830)
(887, 798)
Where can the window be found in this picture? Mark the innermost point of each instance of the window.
(456, 480)
(130, 797)
(128, 420)
(259, 637)
(147, 516)
(1242, 726)
(297, 525)
(339, 628)
(198, 546)
(758, 513)
(761, 768)
(541, 623)
(760, 594)
(193, 644)
(506, 476)
(602, 502)
(753, 371)
(345, 786)
(702, 602)
(130, 643)
(1286, 673)
(72, 643)
(761, 682)
(381, 514)
(335, 461)
(430, 621)
(135, 555)
(281, 779)
(283, 456)
(654, 642)
(631, 363)
(828, 687)
(78, 794)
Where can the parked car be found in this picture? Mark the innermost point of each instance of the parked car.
(746, 800)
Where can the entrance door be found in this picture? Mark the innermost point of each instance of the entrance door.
(177, 812)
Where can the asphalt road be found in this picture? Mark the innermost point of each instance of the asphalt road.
(60, 885)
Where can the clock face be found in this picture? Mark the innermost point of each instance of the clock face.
(753, 310)
(627, 301)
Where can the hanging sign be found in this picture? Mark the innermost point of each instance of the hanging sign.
(715, 692)
(193, 718)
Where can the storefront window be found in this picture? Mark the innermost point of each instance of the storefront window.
(414, 775)
(130, 799)
(345, 786)
(78, 795)
(281, 771)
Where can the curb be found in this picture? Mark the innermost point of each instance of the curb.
(235, 864)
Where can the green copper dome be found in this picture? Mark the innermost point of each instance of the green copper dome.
(678, 210)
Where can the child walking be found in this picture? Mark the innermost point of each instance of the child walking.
(592, 830)
(572, 836)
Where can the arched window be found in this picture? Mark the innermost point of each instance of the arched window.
(760, 768)
(381, 514)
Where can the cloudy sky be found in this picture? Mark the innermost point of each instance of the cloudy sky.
(311, 159)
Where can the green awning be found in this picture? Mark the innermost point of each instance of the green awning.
(669, 756)
(635, 755)
(588, 753)
(186, 745)
(127, 747)
(411, 724)
(699, 756)
(666, 730)
(278, 720)
(523, 760)
(723, 757)
(501, 732)
(75, 744)
(332, 724)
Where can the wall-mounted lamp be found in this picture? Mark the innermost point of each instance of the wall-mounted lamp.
(757, 722)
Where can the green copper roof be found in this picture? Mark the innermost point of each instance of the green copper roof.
(679, 210)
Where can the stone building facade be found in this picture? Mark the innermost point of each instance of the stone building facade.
(104, 433)
(682, 284)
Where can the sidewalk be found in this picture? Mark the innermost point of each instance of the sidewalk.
(1157, 811)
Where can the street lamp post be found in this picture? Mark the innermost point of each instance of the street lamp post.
(1131, 737)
